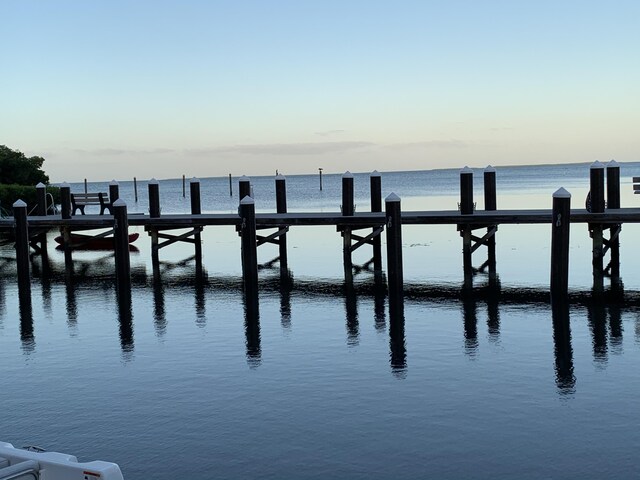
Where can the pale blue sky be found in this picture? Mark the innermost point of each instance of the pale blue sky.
(113, 89)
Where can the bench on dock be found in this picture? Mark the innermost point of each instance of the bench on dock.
(81, 200)
(636, 184)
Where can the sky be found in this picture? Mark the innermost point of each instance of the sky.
(112, 89)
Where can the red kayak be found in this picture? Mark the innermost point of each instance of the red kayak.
(92, 243)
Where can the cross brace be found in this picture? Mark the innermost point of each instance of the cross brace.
(273, 238)
(178, 238)
(365, 240)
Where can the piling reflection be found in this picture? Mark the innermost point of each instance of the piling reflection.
(397, 343)
(615, 328)
(125, 319)
(252, 330)
(379, 304)
(26, 323)
(201, 313)
(351, 310)
(71, 304)
(159, 312)
(285, 307)
(565, 378)
(597, 317)
(493, 309)
(470, 317)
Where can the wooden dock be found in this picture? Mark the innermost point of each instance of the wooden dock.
(249, 224)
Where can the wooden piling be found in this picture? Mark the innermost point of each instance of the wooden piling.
(196, 209)
(375, 181)
(394, 251)
(613, 202)
(121, 244)
(22, 247)
(596, 183)
(41, 196)
(85, 186)
(466, 208)
(135, 189)
(249, 246)
(230, 187)
(114, 192)
(154, 198)
(490, 204)
(281, 207)
(244, 187)
(348, 209)
(561, 212)
(184, 187)
(65, 201)
(320, 172)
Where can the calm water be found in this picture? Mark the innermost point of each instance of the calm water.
(188, 383)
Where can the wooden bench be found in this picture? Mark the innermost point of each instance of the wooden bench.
(636, 184)
(81, 200)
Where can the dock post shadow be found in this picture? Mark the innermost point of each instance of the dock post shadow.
(563, 352)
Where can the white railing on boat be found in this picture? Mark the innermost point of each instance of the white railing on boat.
(21, 464)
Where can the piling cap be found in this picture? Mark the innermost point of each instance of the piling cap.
(375, 173)
(347, 174)
(466, 170)
(489, 169)
(243, 178)
(247, 200)
(65, 185)
(597, 164)
(19, 204)
(40, 185)
(280, 177)
(113, 182)
(153, 181)
(119, 203)
(561, 193)
(194, 180)
(612, 164)
(392, 197)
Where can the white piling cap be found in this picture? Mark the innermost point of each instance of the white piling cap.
(113, 182)
(347, 174)
(375, 173)
(65, 185)
(243, 178)
(119, 203)
(280, 177)
(19, 203)
(40, 185)
(597, 164)
(392, 197)
(247, 200)
(153, 181)
(466, 170)
(612, 163)
(194, 180)
(490, 169)
(561, 193)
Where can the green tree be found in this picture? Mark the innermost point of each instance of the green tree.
(18, 169)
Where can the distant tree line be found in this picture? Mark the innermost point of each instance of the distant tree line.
(19, 175)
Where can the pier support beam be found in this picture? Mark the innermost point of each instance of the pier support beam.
(249, 247)
(196, 209)
(348, 209)
(596, 182)
(560, 228)
(22, 248)
(121, 245)
(394, 252)
(376, 206)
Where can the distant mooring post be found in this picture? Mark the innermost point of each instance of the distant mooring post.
(230, 187)
(394, 252)
(376, 206)
(561, 212)
(184, 188)
(348, 209)
(320, 172)
(613, 202)
(135, 189)
(466, 208)
(85, 186)
(596, 183)
(196, 209)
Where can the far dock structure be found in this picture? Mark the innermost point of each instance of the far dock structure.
(604, 218)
